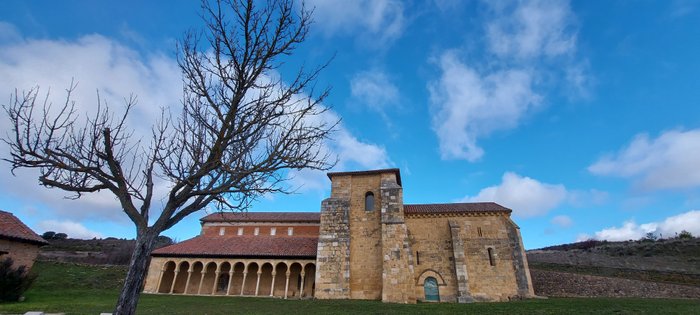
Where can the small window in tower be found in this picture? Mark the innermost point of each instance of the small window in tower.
(369, 201)
(290, 231)
(492, 259)
(257, 231)
(222, 231)
(273, 231)
(417, 258)
(478, 231)
(240, 231)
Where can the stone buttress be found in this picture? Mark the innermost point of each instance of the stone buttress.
(397, 275)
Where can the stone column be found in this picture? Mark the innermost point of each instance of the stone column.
(272, 286)
(216, 281)
(301, 290)
(286, 286)
(201, 280)
(189, 274)
(160, 279)
(172, 285)
(245, 275)
(257, 283)
(230, 281)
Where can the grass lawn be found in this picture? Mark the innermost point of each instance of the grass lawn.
(77, 289)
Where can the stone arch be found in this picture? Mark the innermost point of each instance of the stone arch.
(208, 278)
(237, 281)
(222, 283)
(167, 278)
(309, 280)
(180, 277)
(295, 279)
(280, 278)
(430, 273)
(265, 283)
(251, 278)
(195, 277)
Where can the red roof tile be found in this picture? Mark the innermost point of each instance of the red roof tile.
(455, 208)
(314, 217)
(396, 171)
(242, 246)
(12, 228)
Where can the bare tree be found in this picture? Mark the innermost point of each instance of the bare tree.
(240, 131)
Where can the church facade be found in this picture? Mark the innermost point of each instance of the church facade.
(364, 244)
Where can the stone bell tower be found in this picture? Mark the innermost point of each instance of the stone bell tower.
(364, 250)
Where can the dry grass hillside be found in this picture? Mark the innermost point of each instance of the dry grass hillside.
(643, 268)
(108, 251)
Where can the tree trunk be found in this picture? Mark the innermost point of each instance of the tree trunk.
(135, 276)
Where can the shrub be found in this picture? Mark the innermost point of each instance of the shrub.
(13, 281)
(49, 235)
(685, 235)
(651, 236)
(60, 236)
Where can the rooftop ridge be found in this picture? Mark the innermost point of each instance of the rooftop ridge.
(396, 171)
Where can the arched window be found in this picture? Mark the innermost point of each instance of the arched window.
(369, 201)
(492, 260)
(432, 292)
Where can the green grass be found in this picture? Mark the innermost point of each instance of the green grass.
(76, 289)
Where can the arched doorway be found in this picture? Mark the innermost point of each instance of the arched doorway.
(432, 292)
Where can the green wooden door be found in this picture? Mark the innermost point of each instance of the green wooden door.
(430, 286)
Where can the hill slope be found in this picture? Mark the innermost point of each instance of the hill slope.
(662, 268)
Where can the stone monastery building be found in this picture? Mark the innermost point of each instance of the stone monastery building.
(365, 244)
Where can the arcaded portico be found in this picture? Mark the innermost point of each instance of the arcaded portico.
(247, 277)
(241, 254)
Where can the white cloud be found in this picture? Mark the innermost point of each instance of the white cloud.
(96, 63)
(531, 29)
(562, 221)
(667, 162)
(468, 105)
(73, 229)
(377, 22)
(531, 46)
(527, 197)
(374, 89)
(689, 221)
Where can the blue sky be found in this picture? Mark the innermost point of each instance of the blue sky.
(582, 117)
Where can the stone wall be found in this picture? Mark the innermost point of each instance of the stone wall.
(23, 254)
(432, 249)
(231, 229)
(433, 242)
(333, 253)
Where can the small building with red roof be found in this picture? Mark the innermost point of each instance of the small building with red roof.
(365, 243)
(18, 241)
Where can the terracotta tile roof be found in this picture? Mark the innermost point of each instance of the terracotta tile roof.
(13, 229)
(396, 171)
(242, 246)
(455, 208)
(313, 217)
